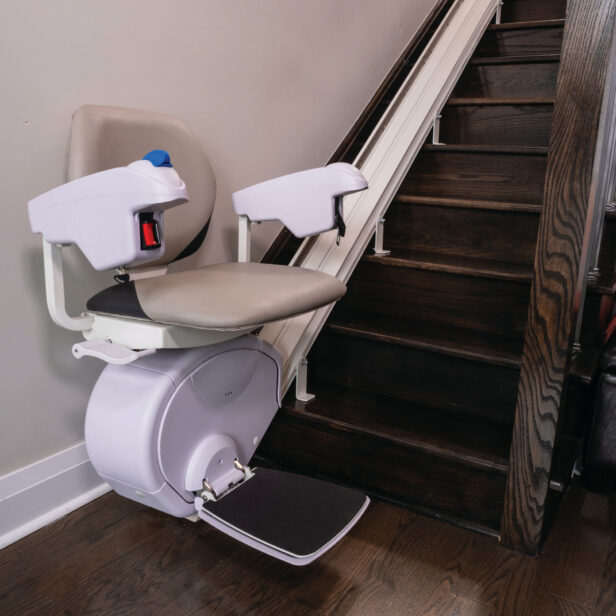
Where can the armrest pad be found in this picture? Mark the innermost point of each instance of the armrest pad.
(98, 212)
(304, 202)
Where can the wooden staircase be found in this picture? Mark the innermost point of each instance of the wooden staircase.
(416, 371)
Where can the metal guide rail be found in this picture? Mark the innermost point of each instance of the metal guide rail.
(384, 160)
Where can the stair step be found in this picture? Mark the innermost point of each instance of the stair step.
(525, 25)
(481, 175)
(521, 39)
(485, 149)
(534, 79)
(607, 253)
(495, 240)
(458, 380)
(443, 434)
(445, 339)
(501, 100)
(523, 58)
(454, 264)
(486, 304)
(584, 364)
(427, 459)
(606, 283)
(452, 202)
(531, 10)
(491, 124)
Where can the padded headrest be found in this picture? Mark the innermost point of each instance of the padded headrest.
(103, 137)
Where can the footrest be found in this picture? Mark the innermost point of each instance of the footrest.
(291, 517)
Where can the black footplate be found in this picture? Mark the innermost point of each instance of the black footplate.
(291, 517)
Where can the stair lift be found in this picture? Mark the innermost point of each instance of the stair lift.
(189, 391)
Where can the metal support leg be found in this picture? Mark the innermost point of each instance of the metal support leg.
(243, 240)
(378, 238)
(301, 382)
(436, 130)
(497, 17)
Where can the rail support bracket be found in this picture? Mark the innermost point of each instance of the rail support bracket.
(301, 381)
(378, 238)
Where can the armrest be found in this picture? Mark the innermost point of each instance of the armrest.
(115, 216)
(307, 202)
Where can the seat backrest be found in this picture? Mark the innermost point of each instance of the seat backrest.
(103, 137)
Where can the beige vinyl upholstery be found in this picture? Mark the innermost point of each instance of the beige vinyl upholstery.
(235, 295)
(104, 137)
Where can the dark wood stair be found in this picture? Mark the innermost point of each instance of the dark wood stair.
(416, 372)
(439, 462)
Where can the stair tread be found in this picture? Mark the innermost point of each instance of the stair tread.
(515, 25)
(606, 284)
(468, 203)
(480, 443)
(515, 59)
(455, 264)
(584, 364)
(485, 149)
(451, 340)
(499, 100)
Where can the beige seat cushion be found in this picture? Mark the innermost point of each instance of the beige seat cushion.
(225, 296)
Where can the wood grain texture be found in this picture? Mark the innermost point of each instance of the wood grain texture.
(409, 471)
(483, 303)
(419, 373)
(530, 10)
(546, 355)
(523, 79)
(483, 176)
(115, 557)
(606, 600)
(521, 41)
(513, 125)
(499, 235)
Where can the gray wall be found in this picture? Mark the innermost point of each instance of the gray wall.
(268, 86)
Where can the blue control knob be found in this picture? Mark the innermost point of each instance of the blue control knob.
(159, 158)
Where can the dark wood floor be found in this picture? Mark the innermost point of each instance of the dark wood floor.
(116, 557)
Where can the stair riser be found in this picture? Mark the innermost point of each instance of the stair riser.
(520, 41)
(485, 304)
(423, 377)
(527, 80)
(486, 234)
(533, 10)
(591, 335)
(607, 256)
(508, 125)
(517, 178)
(408, 476)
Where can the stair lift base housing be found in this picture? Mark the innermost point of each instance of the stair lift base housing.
(160, 426)
(176, 429)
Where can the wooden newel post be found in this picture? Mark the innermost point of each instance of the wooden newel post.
(578, 153)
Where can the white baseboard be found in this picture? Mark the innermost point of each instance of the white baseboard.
(36, 495)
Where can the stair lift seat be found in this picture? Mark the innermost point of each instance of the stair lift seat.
(188, 393)
(224, 296)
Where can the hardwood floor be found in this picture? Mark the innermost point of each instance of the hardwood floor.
(115, 557)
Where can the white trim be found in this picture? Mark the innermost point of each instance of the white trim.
(141, 334)
(387, 157)
(40, 493)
